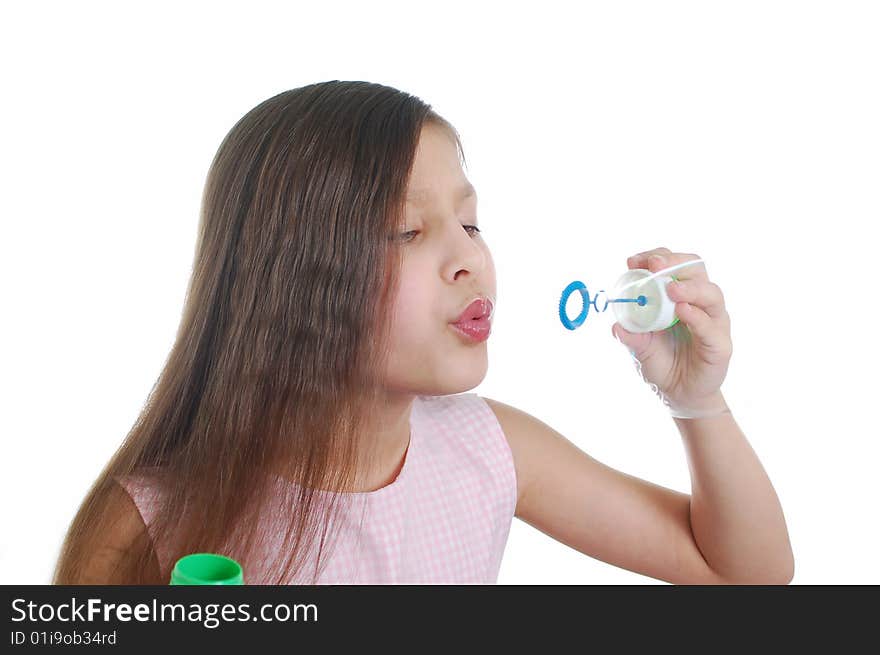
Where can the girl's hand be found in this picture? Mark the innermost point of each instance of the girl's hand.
(685, 364)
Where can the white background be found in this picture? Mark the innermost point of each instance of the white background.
(747, 132)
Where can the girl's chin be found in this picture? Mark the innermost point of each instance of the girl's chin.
(464, 375)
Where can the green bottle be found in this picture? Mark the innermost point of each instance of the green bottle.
(206, 568)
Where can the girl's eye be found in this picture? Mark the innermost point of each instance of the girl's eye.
(410, 235)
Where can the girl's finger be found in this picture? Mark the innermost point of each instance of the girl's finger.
(702, 326)
(667, 260)
(640, 259)
(703, 294)
(695, 271)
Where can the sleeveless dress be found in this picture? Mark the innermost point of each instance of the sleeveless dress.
(445, 518)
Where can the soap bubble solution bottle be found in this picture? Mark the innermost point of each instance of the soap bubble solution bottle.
(656, 312)
(206, 569)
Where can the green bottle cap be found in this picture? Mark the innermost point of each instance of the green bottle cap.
(206, 568)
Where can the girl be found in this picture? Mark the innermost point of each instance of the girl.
(310, 420)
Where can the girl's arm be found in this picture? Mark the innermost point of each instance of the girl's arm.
(735, 514)
(729, 531)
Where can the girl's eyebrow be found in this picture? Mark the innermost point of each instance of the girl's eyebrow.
(417, 196)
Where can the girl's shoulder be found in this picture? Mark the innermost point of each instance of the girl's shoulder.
(144, 487)
(466, 415)
(464, 428)
(112, 551)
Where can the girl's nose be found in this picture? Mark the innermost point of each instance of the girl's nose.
(467, 255)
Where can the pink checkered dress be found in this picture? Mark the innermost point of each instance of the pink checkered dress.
(445, 519)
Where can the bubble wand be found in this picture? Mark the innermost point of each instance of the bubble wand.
(650, 310)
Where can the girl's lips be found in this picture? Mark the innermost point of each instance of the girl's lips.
(476, 330)
(480, 308)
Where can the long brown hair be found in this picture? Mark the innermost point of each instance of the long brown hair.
(278, 359)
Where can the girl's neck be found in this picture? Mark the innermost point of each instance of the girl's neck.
(383, 447)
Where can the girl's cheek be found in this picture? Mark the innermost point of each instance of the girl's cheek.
(411, 299)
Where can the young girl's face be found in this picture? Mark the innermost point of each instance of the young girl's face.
(446, 266)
